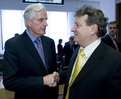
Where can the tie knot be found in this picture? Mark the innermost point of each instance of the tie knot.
(82, 52)
(37, 41)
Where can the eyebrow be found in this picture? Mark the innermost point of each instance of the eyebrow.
(112, 27)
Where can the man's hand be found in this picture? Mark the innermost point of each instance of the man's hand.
(56, 79)
(51, 79)
(56, 76)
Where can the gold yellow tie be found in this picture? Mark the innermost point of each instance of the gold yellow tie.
(76, 70)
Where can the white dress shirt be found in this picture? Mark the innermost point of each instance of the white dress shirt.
(88, 52)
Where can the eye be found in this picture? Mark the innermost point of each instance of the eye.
(112, 28)
(77, 25)
(40, 20)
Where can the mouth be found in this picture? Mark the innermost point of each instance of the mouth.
(43, 29)
(75, 34)
(112, 31)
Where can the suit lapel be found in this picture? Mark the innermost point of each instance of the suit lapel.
(110, 42)
(71, 64)
(91, 64)
(29, 46)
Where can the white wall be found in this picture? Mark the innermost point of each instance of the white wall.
(107, 6)
(109, 9)
(69, 5)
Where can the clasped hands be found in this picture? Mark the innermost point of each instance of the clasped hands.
(51, 80)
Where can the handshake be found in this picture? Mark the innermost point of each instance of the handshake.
(51, 80)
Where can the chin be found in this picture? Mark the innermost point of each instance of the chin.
(43, 33)
(75, 39)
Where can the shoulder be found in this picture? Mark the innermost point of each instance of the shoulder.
(105, 37)
(17, 39)
(66, 46)
(47, 41)
(108, 50)
(14, 40)
(47, 38)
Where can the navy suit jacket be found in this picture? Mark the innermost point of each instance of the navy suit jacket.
(60, 48)
(100, 78)
(67, 52)
(23, 69)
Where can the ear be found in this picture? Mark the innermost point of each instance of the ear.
(28, 21)
(94, 29)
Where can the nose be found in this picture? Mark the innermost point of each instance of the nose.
(73, 29)
(45, 23)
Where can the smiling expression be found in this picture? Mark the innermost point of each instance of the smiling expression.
(81, 31)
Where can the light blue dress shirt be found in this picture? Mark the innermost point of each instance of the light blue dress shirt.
(33, 39)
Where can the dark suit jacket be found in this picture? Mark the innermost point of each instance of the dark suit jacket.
(23, 69)
(100, 78)
(109, 42)
(119, 45)
(60, 48)
(67, 52)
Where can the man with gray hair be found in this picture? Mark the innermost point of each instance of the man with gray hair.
(30, 59)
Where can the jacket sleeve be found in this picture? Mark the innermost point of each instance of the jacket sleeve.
(12, 78)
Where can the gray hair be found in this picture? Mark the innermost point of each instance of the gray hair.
(95, 16)
(30, 11)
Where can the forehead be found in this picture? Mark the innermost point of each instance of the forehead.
(41, 13)
(113, 25)
(81, 19)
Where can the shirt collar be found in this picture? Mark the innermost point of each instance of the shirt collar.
(110, 36)
(32, 37)
(91, 47)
